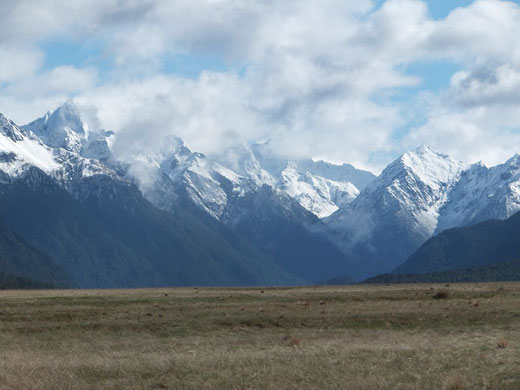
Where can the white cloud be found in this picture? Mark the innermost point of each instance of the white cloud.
(318, 76)
(18, 63)
(489, 135)
(492, 86)
(60, 80)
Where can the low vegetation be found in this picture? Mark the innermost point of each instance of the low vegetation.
(350, 337)
(500, 272)
(18, 282)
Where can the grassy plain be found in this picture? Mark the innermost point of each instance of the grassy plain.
(354, 337)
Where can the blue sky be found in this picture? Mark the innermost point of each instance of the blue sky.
(63, 50)
(357, 81)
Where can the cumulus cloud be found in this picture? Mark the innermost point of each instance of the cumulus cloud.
(319, 78)
(478, 116)
(487, 86)
(17, 63)
(62, 79)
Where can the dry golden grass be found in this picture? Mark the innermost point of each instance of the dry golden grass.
(356, 337)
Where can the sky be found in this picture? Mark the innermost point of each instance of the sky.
(355, 81)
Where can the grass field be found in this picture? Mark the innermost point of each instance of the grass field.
(358, 337)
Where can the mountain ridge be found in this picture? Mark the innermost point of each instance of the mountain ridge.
(363, 224)
(63, 208)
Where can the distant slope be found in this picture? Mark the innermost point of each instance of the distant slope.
(113, 237)
(290, 234)
(10, 282)
(268, 217)
(22, 265)
(183, 247)
(482, 244)
(338, 280)
(500, 272)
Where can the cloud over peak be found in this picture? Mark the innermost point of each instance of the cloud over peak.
(326, 80)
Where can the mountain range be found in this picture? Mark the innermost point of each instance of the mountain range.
(173, 216)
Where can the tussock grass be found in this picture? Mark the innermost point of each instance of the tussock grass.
(502, 343)
(353, 337)
(442, 294)
(454, 382)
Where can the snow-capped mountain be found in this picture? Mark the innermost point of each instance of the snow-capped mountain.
(209, 182)
(318, 186)
(483, 193)
(20, 150)
(66, 128)
(172, 177)
(276, 202)
(421, 194)
(98, 228)
(322, 187)
(212, 182)
(245, 198)
(174, 171)
(414, 187)
(398, 211)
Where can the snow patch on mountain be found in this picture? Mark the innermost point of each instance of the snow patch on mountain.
(318, 186)
(66, 128)
(208, 181)
(21, 150)
(319, 195)
(412, 189)
(483, 193)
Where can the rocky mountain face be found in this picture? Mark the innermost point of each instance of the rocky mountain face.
(417, 196)
(304, 220)
(96, 227)
(66, 128)
(483, 193)
(253, 195)
(398, 211)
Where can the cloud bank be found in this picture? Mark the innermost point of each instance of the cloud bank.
(328, 80)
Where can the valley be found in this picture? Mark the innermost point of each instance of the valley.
(459, 336)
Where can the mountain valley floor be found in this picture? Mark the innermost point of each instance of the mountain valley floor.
(458, 336)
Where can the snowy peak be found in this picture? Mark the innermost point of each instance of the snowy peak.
(339, 173)
(173, 170)
(426, 165)
(318, 186)
(483, 193)
(10, 129)
(68, 116)
(419, 178)
(247, 161)
(64, 128)
(512, 165)
(20, 150)
(407, 195)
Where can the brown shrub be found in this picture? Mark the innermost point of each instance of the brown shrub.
(442, 294)
(292, 341)
(502, 343)
(454, 382)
